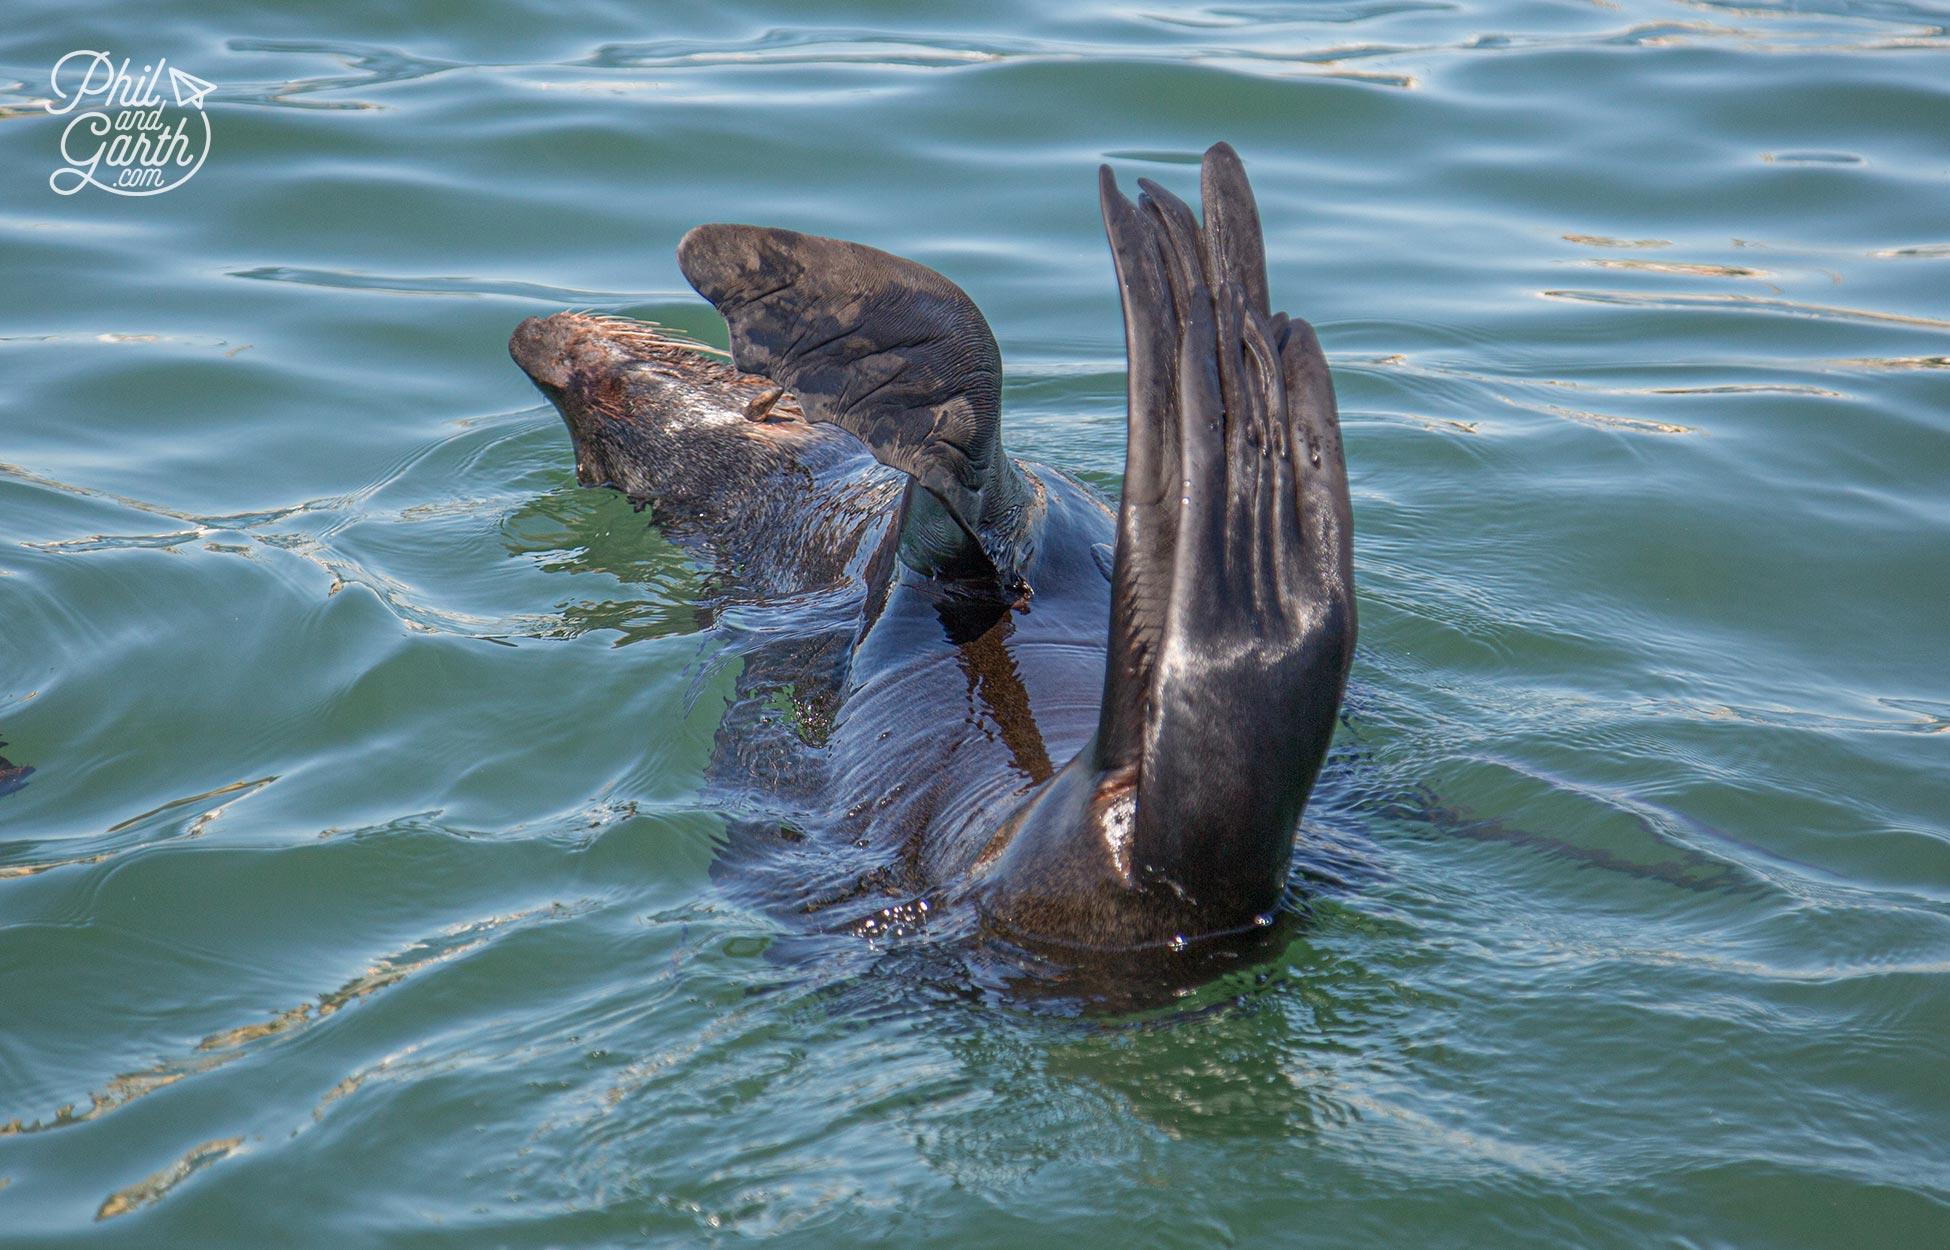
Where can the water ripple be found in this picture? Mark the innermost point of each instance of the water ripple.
(1716, 302)
(281, 1029)
(375, 65)
(352, 280)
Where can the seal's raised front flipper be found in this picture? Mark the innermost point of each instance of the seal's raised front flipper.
(892, 352)
(1232, 617)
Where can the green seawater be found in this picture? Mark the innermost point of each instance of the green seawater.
(361, 893)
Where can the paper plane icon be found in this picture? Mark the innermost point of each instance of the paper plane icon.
(189, 89)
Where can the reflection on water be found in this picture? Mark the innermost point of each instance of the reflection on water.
(1743, 303)
(12, 776)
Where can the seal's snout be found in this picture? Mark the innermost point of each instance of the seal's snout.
(541, 346)
(638, 398)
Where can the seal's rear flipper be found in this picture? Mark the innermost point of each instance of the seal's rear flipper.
(1232, 611)
(892, 352)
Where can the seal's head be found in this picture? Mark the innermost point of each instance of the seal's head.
(650, 413)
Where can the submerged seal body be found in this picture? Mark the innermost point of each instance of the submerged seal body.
(1085, 728)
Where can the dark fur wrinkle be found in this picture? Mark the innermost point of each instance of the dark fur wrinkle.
(952, 712)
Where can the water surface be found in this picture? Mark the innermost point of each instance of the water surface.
(361, 892)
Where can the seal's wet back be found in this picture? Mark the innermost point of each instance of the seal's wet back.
(1000, 703)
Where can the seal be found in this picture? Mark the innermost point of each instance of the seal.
(1074, 727)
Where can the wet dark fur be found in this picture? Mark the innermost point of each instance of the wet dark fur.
(816, 758)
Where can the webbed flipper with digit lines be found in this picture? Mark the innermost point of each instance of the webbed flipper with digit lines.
(1232, 614)
(895, 354)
